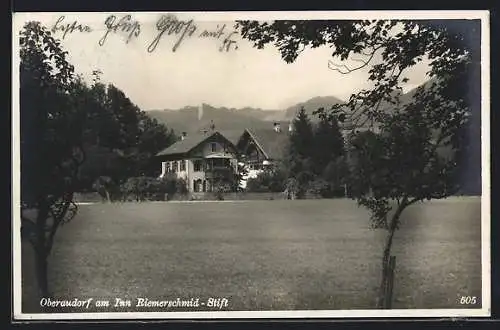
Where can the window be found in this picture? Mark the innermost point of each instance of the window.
(213, 147)
(197, 165)
(183, 165)
(197, 185)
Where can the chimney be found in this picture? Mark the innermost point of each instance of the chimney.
(200, 111)
(277, 127)
(183, 135)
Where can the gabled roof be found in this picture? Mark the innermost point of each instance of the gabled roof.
(272, 143)
(190, 142)
(232, 135)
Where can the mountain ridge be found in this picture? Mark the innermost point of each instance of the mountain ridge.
(187, 119)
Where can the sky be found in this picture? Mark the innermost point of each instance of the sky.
(198, 71)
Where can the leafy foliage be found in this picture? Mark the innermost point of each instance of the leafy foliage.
(293, 189)
(52, 126)
(239, 176)
(102, 186)
(271, 180)
(404, 161)
(123, 135)
(144, 188)
(62, 120)
(319, 187)
(299, 149)
(414, 151)
(328, 142)
(315, 156)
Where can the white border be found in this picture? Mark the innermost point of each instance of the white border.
(485, 311)
(16, 177)
(209, 16)
(485, 165)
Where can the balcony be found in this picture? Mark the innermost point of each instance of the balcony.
(216, 164)
(210, 168)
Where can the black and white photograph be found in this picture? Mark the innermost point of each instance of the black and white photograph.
(228, 165)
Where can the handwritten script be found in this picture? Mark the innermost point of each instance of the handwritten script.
(167, 26)
(65, 28)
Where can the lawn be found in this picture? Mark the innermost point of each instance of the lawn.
(266, 255)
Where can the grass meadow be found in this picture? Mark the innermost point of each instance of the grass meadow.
(264, 255)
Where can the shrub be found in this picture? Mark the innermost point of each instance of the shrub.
(220, 188)
(293, 189)
(103, 186)
(140, 188)
(149, 188)
(267, 181)
(319, 188)
(181, 187)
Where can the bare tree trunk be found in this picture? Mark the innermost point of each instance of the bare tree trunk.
(381, 303)
(385, 266)
(41, 250)
(42, 273)
(108, 197)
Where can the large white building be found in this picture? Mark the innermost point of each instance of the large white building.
(204, 158)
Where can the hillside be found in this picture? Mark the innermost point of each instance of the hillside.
(311, 105)
(188, 119)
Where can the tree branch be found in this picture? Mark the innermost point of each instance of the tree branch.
(336, 67)
(355, 116)
(57, 220)
(28, 227)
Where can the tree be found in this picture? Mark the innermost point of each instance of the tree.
(62, 120)
(328, 142)
(337, 174)
(100, 162)
(103, 185)
(138, 187)
(420, 151)
(52, 125)
(269, 180)
(293, 189)
(120, 139)
(300, 153)
(329, 156)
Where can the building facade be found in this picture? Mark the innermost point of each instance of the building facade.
(202, 160)
(212, 157)
(261, 149)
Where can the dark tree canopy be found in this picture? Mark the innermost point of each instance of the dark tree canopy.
(62, 120)
(416, 149)
(299, 149)
(328, 143)
(121, 139)
(52, 119)
(387, 49)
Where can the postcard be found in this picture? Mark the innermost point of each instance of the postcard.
(249, 165)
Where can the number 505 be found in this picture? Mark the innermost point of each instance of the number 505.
(468, 300)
